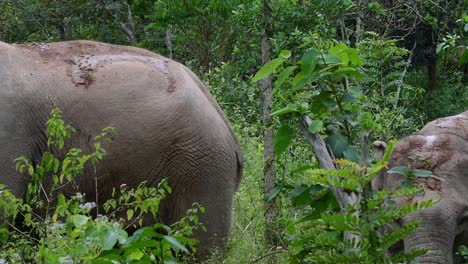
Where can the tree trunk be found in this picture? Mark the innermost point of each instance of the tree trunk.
(129, 27)
(67, 30)
(169, 35)
(431, 70)
(268, 154)
(359, 24)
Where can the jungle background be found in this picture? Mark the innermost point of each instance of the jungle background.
(406, 64)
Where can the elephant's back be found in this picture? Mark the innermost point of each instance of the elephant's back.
(160, 110)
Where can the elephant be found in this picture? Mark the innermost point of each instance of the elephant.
(441, 146)
(167, 123)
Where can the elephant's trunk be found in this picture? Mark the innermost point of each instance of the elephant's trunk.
(436, 234)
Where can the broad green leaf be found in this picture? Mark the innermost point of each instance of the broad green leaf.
(285, 110)
(399, 170)
(302, 80)
(425, 174)
(4, 234)
(283, 138)
(349, 72)
(129, 214)
(273, 193)
(285, 54)
(303, 107)
(338, 144)
(268, 69)
(440, 47)
(79, 220)
(283, 76)
(309, 61)
(338, 49)
(351, 154)
(315, 126)
(108, 239)
(377, 8)
(135, 255)
(328, 59)
(344, 58)
(175, 243)
(355, 91)
(349, 98)
(463, 250)
(464, 57)
(422, 173)
(170, 261)
(298, 77)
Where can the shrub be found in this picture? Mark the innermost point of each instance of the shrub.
(67, 232)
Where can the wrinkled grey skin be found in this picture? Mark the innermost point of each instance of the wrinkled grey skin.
(168, 125)
(442, 147)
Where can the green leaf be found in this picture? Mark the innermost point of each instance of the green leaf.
(170, 261)
(354, 57)
(338, 144)
(283, 76)
(464, 57)
(348, 72)
(399, 170)
(309, 61)
(273, 193)
(283, 138)
(285, 54)
(79, 220)
(377, 8)
(463, 250)
(135, 255)
(301, 80)
(425, 174)
(108, 239)
(285, 110)
(129, 214)
(422, 173)
(351, 153)
(315, 126)
(4, 234)
(175, 243)
(268, 69)
(327, 59)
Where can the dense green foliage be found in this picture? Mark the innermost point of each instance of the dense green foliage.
(356, 69)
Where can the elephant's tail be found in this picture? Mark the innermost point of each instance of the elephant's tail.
(240, 166)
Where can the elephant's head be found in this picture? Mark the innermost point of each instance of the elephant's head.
(441, 147)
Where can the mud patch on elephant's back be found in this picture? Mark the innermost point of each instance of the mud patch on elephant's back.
(84, 66)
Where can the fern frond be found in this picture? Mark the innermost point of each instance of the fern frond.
(398, 234)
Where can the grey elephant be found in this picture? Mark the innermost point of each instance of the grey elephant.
(442, 147)
(168, 124)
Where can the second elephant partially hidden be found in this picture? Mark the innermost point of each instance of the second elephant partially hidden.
(441, 147)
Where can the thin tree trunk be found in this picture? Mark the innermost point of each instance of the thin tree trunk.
(326, 162)
(359, 24)
(169, 35)
(431, 70)
(129, 27)
(403, 75)
(268, 154)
